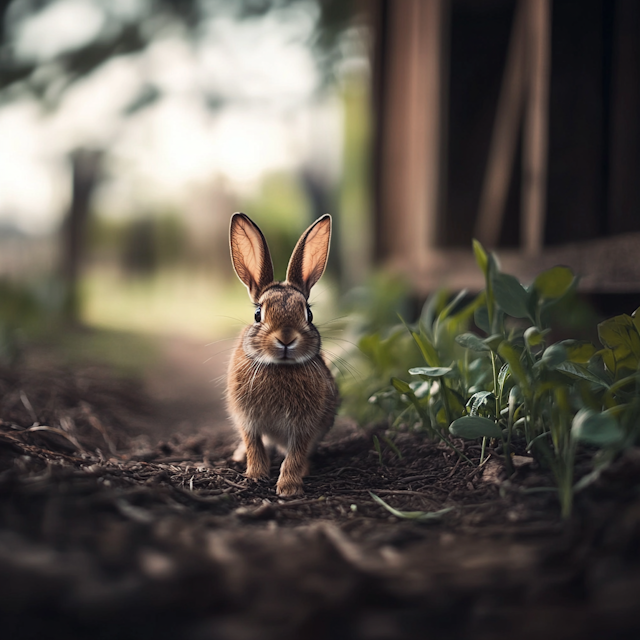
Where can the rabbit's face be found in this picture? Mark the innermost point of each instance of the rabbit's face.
(282, 332)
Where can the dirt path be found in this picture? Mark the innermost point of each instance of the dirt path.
(188, 385)
(102, 537)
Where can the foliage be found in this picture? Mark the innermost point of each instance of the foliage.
(508, 381)
(130, 30)
(141, 245)
(354, 231)
(379, 347)
(26, 310)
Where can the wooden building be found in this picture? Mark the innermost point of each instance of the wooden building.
(516, 122)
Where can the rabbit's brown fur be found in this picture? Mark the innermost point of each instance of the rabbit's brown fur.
(279, 387)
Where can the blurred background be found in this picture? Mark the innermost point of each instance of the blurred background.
(130, 131)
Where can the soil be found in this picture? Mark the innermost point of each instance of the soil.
(123, 516)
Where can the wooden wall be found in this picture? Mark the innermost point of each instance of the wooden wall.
(440, 88)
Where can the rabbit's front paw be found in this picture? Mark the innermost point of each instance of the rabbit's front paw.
(257, 471)
(289, 488)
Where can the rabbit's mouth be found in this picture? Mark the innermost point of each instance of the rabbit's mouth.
(290, 353)
(287, 346)
(286, 351)
(285, 359)
(283, 346)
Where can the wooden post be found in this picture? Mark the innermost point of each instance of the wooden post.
(536, 126)
(429, 169)
(412, 130)
(504, 137)
(624, 169)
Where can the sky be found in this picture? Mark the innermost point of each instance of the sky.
(270, 119)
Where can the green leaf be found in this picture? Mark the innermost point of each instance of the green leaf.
(608, 359)
(502, 377)
(421, 388)
(429, 352)
(401, 386)
(418, 516)
(481, 399)
(619, 331)
(596, 428)
(456, 401)
(441, 414)
(621, 336)
(533, 336)
(478, 376)
(392, 445)
(579, 371)
(467, 311)
(515, 395)
(481, 318)
(508, 353)
(472, 341)
(405, 389)
(430, 372)
(578, 350)
(473, 427)
(376, 446)
(452, 305)
(553, 283)
(432, 308)
(481, 257)
(624, 382)
(510, 295)
(553, 356)
(493, 341)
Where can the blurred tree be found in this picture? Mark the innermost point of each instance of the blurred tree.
(140, 255)
(125, 33)
(125, 30)
(85, 168)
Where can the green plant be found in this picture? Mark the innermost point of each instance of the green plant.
(27, 310)
(379, 348)
(512, 383)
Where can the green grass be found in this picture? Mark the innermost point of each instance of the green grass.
(174, 302)
(126, 353)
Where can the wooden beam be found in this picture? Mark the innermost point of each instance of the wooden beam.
(605, 265)
(536, 126)
(432, 68)
(504, 137)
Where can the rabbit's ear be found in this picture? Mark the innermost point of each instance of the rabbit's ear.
(309, 258)
(250, 254)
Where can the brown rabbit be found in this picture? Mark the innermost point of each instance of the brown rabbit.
(279, 387)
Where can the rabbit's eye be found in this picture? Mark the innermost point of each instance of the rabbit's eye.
(309, 314)
(258, 314)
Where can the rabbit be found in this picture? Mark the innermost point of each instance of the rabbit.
(279, 388)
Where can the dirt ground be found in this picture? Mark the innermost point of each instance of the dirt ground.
(123, 516)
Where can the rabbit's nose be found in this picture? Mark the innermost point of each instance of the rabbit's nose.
(286, 336)
(287, 345)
